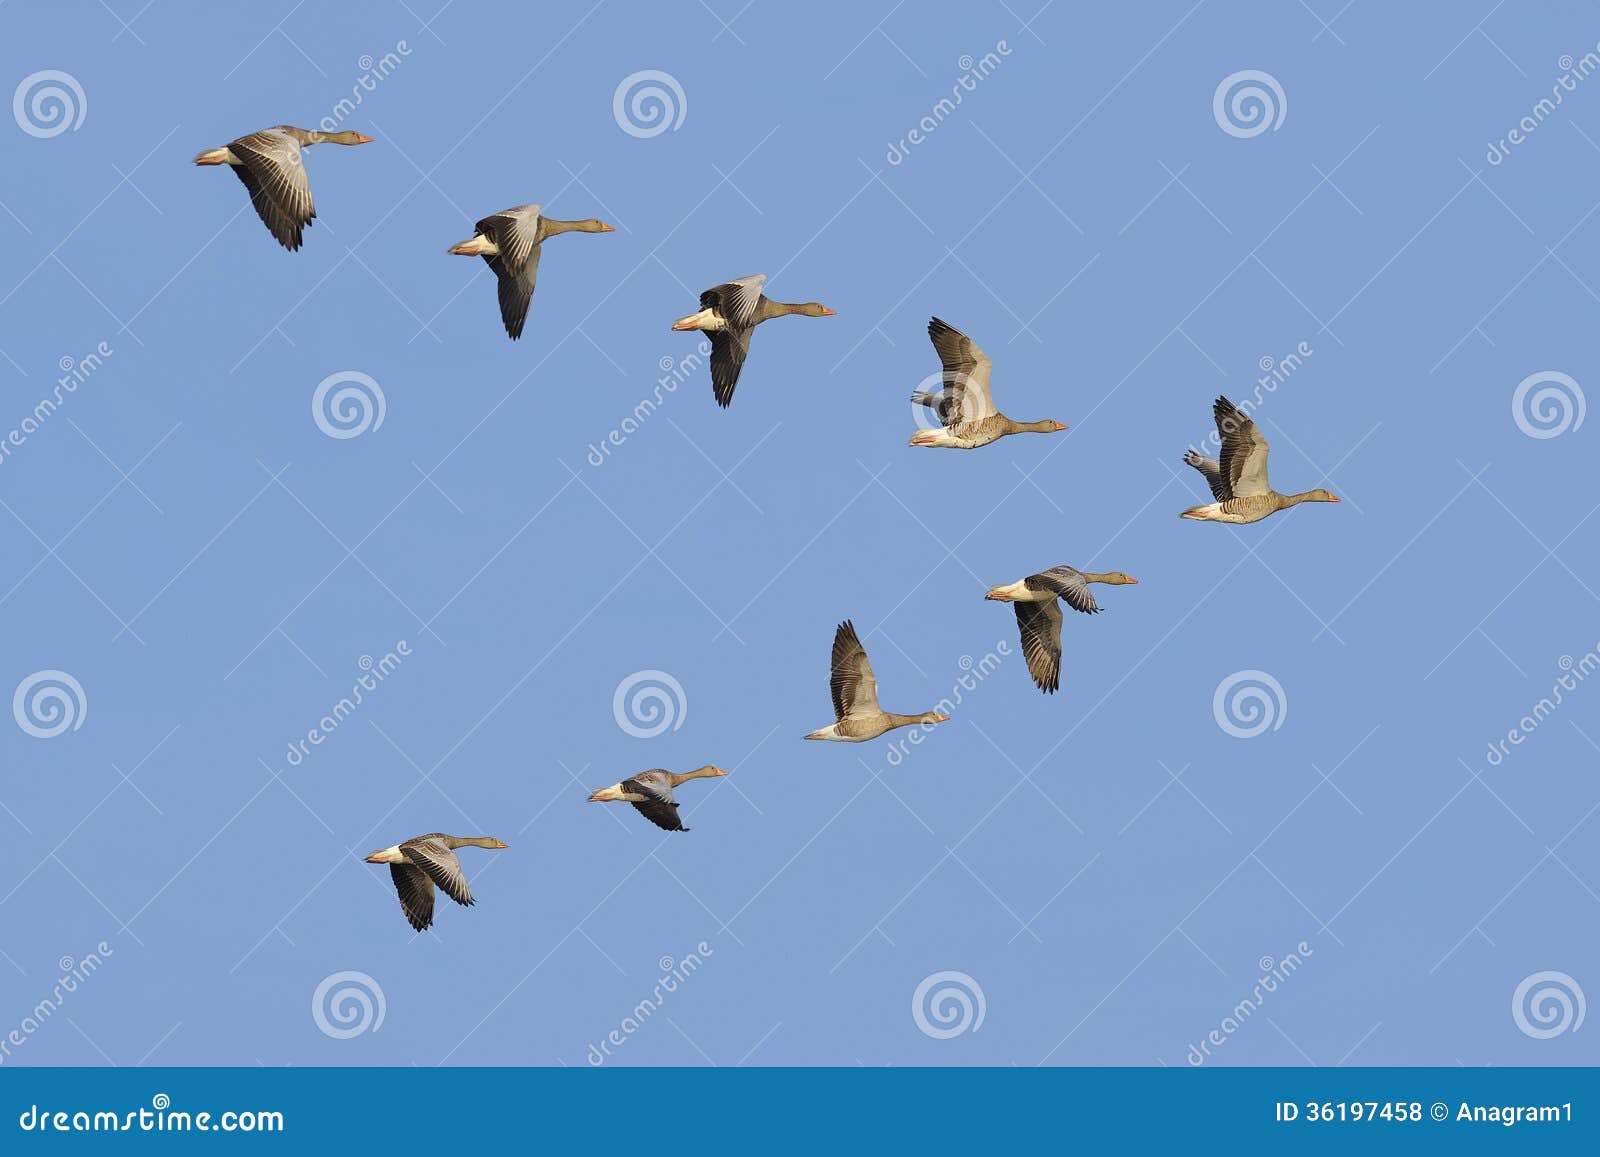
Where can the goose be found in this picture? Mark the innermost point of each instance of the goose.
(967, 415)
(1039, 615)
(651, 792)
(417, 864)
(510, 242)
(1239, 481)
(269, 164)
(855, 695)
(728, 313)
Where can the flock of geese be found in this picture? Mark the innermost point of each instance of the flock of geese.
(270, 165)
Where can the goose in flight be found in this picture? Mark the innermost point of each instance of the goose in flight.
(651, 793)
(269, 164)
(1039, 614)
(511, 241)
(855, 695)
(418, 864)
(729, 313)
(1239, 480)
(967, 415)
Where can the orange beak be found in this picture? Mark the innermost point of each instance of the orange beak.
(1061, 426)
(826, 312)
(499, 844)
(363, 139)
(1133, 582)
(1332, 498)
(604, 228)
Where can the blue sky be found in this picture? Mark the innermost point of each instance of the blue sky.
(1111, 868)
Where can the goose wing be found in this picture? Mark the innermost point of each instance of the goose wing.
(1211, 470)
(966, 375)
(1244, 451)
(515, 285)
(271, 168)
(728, 350)
(736, 301)
(854, 686)
(658, 806)
(416, 894)
(434, 858)
(1067, 583)
(1039, 624)
(515, 232)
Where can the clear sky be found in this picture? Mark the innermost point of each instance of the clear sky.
(1111, 867)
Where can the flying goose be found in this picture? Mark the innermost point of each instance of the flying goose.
(510, 242)
(729, 313)
(855, 695)
(417, 864)
(269, 164)
(1239, 481)
(967, 416)
(651, 793)
(1039, 615)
